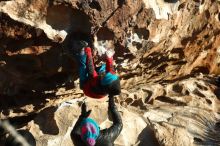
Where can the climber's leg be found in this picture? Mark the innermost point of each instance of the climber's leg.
(90, 64)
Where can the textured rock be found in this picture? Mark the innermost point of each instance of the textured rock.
(63, 123)
(167, 55)
(184, 113)
(32, 13)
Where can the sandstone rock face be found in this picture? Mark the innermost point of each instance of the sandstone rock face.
(167, 56)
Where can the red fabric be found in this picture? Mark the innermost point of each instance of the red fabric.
(90, 62)
(109, 65)
(87, 89)
(93, 81)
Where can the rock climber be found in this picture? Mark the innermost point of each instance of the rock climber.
(86, 131)
(95, 82)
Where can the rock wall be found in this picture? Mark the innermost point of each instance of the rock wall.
(167, 56)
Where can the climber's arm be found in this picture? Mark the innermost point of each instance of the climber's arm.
(84, 114)
(109, 61)
(109, 65)
(110, 134)
(76, 128)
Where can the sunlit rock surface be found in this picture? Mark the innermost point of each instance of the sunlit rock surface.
(167, 56)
